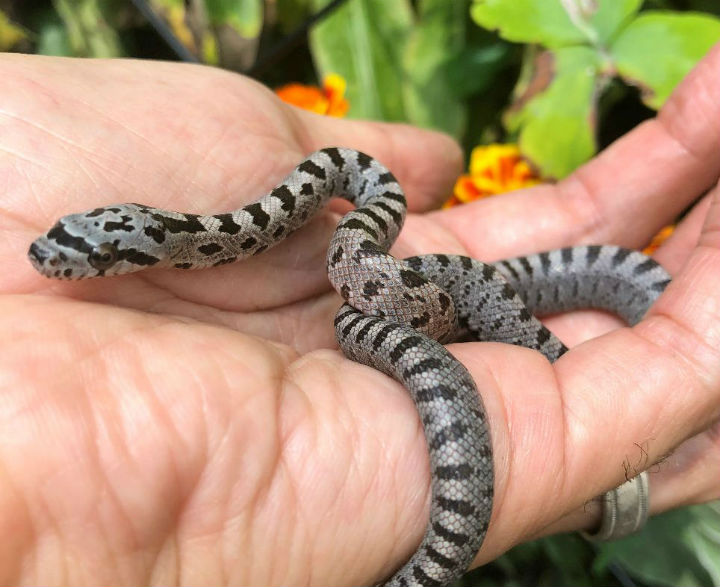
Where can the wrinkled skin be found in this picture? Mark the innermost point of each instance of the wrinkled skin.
(201, 427)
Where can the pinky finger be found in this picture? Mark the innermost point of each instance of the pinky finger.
(688, 475)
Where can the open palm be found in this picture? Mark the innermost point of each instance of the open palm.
(201, 427)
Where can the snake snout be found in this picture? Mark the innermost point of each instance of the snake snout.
(42, 258)
(37, 254)
(46, 259)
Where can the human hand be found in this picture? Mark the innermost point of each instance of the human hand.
(171, 426)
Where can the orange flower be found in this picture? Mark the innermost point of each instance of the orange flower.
(659, 239)
(494, 169)
(329, 100)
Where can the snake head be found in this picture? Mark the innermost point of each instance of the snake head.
(117, 239)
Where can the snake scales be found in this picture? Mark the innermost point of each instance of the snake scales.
(395, 312)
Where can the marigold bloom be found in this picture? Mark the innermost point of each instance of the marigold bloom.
(659, 239)
(494, 169)
(329, 100)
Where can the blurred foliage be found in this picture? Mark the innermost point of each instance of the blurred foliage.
(680, 548)
(88, 31)
(401, 70)
(578, 46)
(10, 33)
(561, 77)
(218, 31)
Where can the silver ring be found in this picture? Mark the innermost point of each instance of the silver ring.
(624, 510)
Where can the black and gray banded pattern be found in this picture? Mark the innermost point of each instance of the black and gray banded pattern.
(396, 311)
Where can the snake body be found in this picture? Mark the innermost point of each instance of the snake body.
(396, 315)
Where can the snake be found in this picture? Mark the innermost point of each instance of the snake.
(397, 315)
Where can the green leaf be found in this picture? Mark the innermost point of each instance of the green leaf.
(244, 16)
(528, 21)
(363, 41)
(658, 49)
(680, 548)
(611, 16)
(556, 123)
(10, 34)
(555, 23)
(430, 99)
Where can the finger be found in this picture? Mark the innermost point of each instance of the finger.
(686, 476)
(657, 384)
(576, 327)
(623, 196)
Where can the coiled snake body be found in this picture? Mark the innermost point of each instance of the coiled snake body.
(395, 312)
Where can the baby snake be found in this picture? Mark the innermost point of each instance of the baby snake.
(396, 312)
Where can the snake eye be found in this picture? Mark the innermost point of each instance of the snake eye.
(103, 256)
